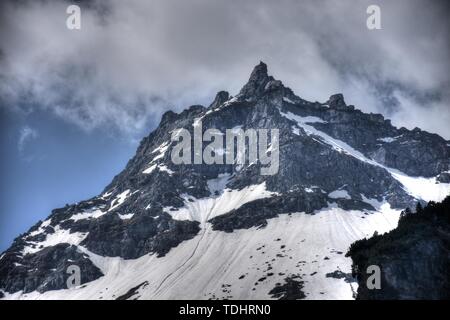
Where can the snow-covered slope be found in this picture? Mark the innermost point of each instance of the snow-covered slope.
(229, 265)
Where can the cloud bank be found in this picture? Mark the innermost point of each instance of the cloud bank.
(133, 60)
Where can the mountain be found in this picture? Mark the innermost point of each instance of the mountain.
(162, 230)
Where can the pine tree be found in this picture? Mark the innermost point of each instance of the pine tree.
(419, 208)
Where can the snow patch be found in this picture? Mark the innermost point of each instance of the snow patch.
(339, 194)
(380, 206)
(286, 99)
(427, 189)
(106, 195)
(93, 213)
(230, 101)
(150, 169)
(218, 184)
(387, 139)
(161, 150)
(41, 228)
(125, 216)
(52, 239)
(160, 167)
(165, 169)
(202, 210)
(312, 119)
(120, 198)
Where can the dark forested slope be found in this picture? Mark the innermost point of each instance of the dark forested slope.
(414, 258)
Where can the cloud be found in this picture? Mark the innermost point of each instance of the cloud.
(133, 60)
(26, 135)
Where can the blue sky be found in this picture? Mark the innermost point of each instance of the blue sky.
(60, 164)
(74, 104)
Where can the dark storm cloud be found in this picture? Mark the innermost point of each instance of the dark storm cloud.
(133, 59)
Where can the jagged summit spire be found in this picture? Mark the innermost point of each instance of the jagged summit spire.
(337, 101)
(220, 98)
(257, 81)
(259, 71)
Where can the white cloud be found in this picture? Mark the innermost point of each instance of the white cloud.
(132, 60)
(26, 135)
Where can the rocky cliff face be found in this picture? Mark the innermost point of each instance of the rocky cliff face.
(332, 157)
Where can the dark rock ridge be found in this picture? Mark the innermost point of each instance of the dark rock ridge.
(45, 270)
(256, 213)
(338, 274)
(414, 152)
(133, 292)
(414, 258)
(131, 218)
(291, 289)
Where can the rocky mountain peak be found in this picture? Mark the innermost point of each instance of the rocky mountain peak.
(259, 72)
(337, 101)
(220, 98)
(257, 82)
(168, 116)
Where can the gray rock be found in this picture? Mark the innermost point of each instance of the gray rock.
(44, 270)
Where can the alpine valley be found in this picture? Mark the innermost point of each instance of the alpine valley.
(224, 231)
